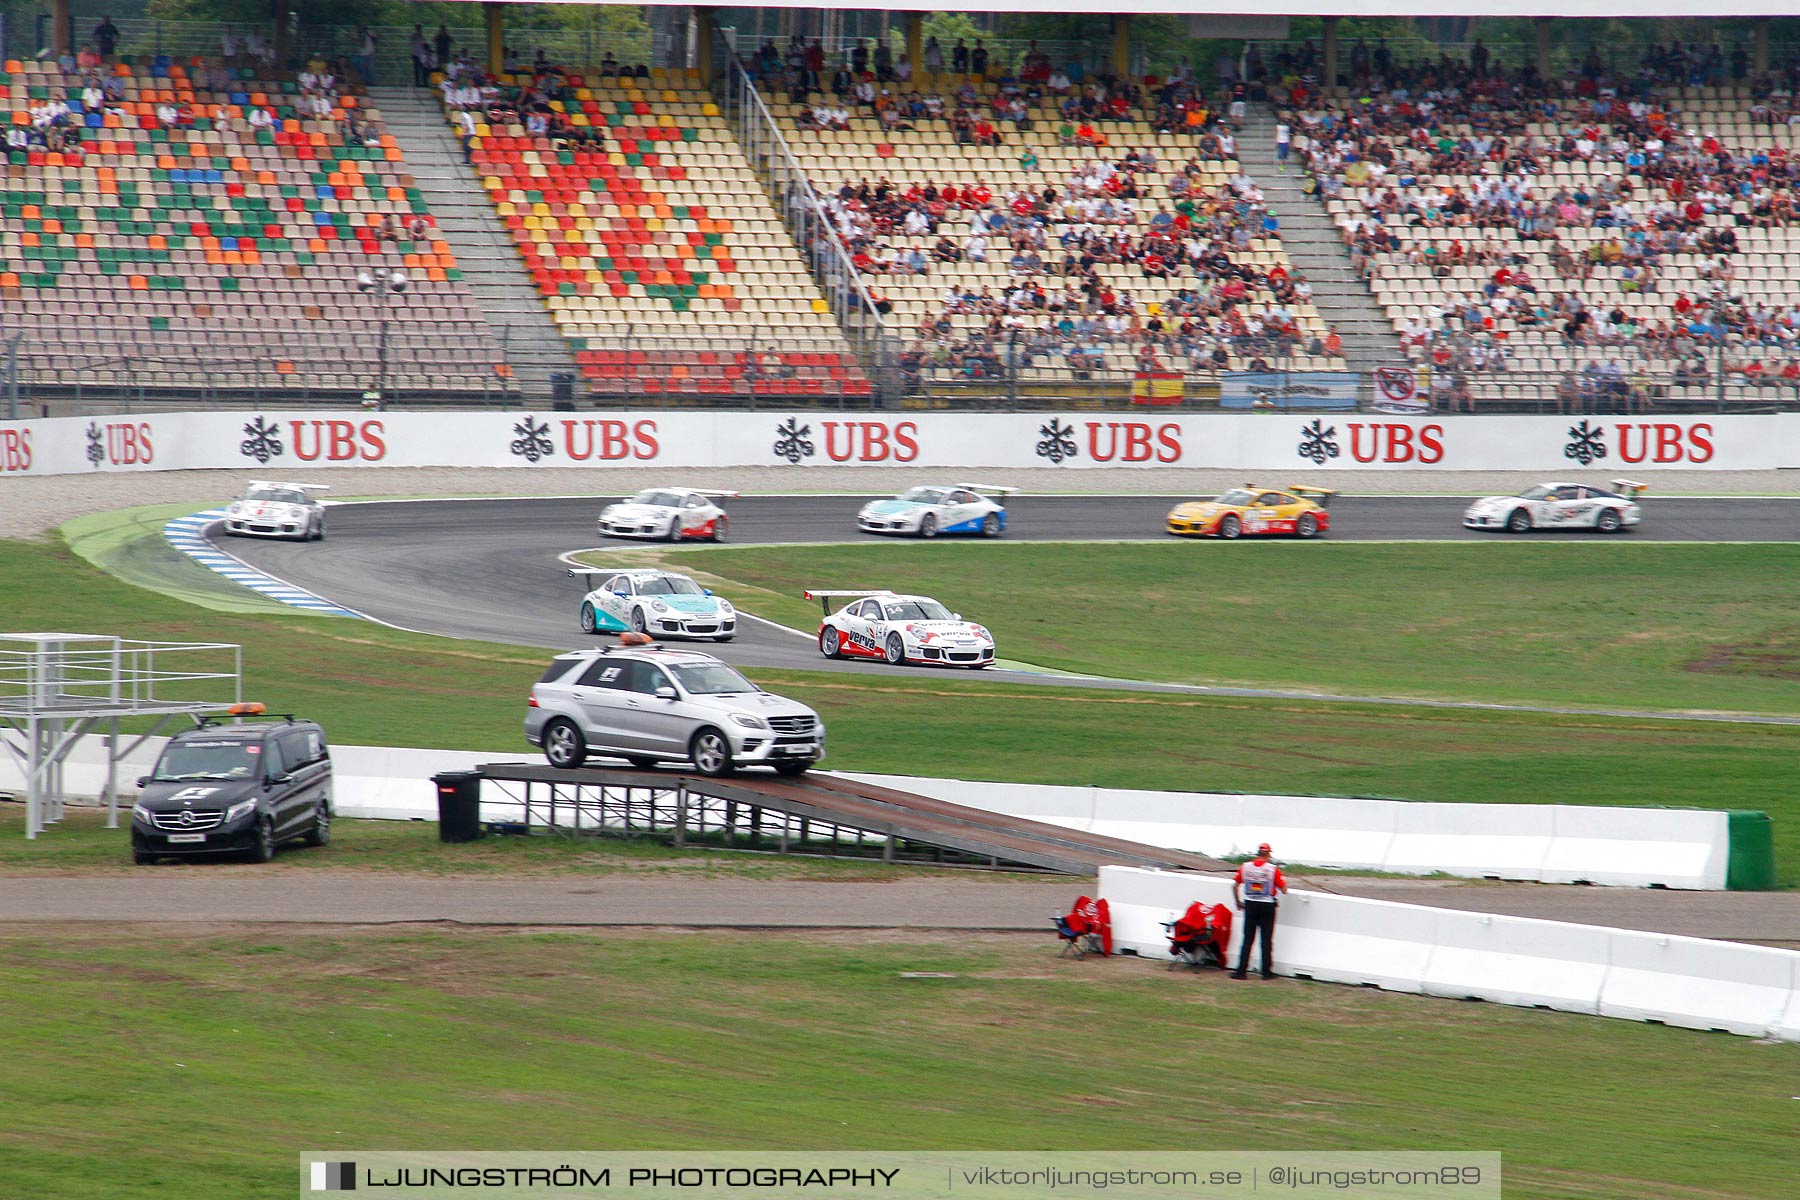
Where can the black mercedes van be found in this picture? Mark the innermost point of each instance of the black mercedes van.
(240, 788)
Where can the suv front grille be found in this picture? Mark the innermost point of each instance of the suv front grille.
(198, 819)
(792, 724)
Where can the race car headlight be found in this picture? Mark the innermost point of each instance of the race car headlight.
(236, 509)
(749, 722)
(725, 607)
(240, 810)
(658, 606)
(607, 512)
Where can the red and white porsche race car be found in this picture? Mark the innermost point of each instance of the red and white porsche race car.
(898, 629)
(671, 514)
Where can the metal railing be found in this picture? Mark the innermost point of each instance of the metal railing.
(843, 286)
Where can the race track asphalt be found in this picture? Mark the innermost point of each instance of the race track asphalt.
(488, 569)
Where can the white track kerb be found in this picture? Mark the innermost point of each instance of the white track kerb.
(1692, 982)
(188, 535)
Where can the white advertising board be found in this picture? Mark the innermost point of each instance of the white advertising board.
(1292, 443)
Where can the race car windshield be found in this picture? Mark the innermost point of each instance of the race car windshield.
(1236, 496)
(1537, 493)
(670, 585)
(916, 610)
(207, 760)
(657, 499)
(276, 495)
(923, 495)
(711, 679)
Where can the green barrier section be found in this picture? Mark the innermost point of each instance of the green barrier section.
(1750, 862)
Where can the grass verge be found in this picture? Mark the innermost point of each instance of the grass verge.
(199, 1064)
(1582, 623)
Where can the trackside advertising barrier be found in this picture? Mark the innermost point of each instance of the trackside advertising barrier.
(1691, 982)
(1688, 848)
(1264, 441)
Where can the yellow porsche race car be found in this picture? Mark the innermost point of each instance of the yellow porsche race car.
(1253, 510)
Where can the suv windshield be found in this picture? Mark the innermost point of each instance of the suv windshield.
(711, 679)
(915, 610)
(208, 760)
(276, 495)
(656, 499)
(923, 495)
(669, 585)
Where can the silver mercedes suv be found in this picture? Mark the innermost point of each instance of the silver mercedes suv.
(651, 704)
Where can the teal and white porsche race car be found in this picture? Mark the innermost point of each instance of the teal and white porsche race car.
(946, 508)
(658, 603)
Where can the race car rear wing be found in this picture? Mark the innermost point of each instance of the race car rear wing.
(1321, 495)
(826, 596)
(1631, 489)
(298, 487)
(990, 488)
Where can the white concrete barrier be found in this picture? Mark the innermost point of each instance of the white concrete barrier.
(1691, 982)
(1628, 847)
(1697, 983)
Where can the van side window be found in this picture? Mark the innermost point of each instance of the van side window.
(272, 760)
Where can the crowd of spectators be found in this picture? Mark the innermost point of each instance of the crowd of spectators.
(527, 97)
(1459, 170)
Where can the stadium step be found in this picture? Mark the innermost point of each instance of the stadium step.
(1312, 243)
(490, 262)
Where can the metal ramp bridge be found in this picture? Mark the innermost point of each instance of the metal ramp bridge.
(813, 814)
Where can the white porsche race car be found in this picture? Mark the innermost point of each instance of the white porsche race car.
(900, 629)
(279, 510)
(947, 508)
(672, 514)
(1560, 506)
(657, 603)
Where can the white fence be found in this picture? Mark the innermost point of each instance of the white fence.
(1545, 843)
(1290, 443)
(1691, 982)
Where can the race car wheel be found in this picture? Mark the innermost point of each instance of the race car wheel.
(637, 621)
(318, 533)
(928, 526)
(1608, 521)
(896, 650)
(589, 624)
(674, 533)
(564, 746)
(990, 526)
(1519, 521)
(1307, 526)
(710, 753)
(719, 529)
(828, 643)
(1230, 526)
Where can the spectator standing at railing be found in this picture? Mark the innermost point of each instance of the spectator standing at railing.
(106, 37)
(366, 59)
(440, 46)
(421, 57)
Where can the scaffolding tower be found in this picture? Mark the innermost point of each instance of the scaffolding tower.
(58, 688)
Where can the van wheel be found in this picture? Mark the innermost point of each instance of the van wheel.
(321, 830)
(564, 746)
(142, 858)
(263, 849)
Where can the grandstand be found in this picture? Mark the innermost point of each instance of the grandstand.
(188, 227)
(852, 222)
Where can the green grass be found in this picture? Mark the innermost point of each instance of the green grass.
(81, 844)
(199, 1064)
(379, 686)
(1585, 623)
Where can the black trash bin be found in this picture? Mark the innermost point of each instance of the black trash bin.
(459, 805)
(562, 391)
